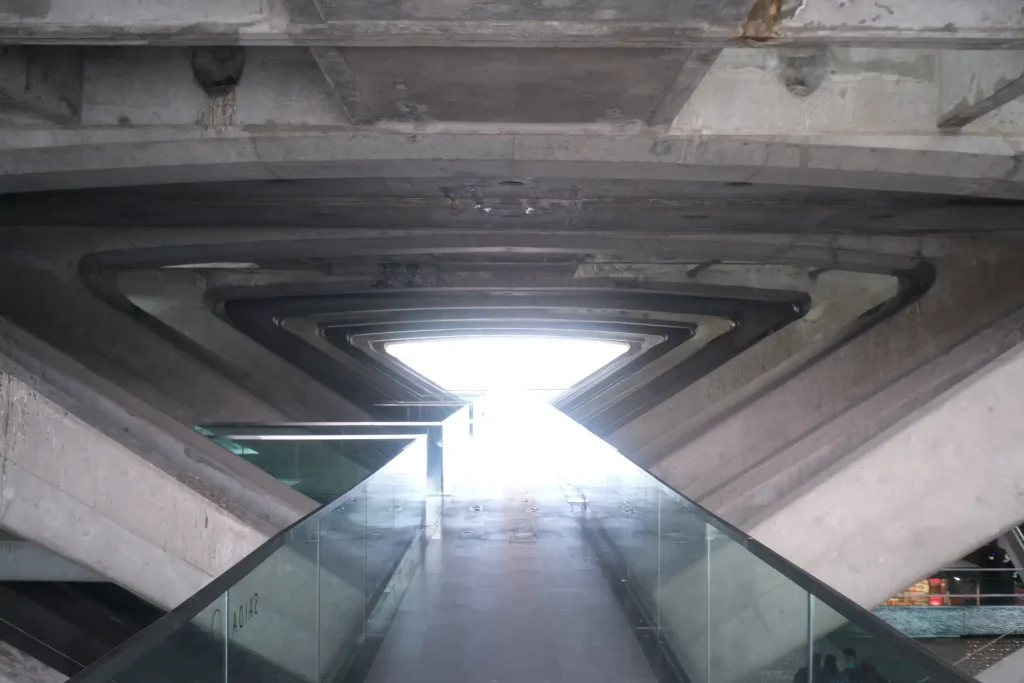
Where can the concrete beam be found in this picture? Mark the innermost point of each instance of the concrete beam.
(973, 84)
(305, 11)
(175, 297)
(134, 357)
(695, 67)
(27, 561)
(342, 80)
(841, 91)
(937, 165)
(162, 535)
(43, 82)
(116, 16)
(900, 23)
(18, 667)
(138, 90)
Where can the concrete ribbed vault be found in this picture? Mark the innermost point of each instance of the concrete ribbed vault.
(796, 213)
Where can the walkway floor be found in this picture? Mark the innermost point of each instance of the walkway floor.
(510, 593)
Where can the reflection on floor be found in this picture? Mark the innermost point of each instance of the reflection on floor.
(511, 592)
(520, 584)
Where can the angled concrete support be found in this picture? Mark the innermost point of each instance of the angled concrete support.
(881, 519)
(175, 298)
(305, 11)
(974, 83)
(342, 80)
(42, 81)
(764, 451)
(55, 307)
(79, 493)
(695, 67)
(153, 507)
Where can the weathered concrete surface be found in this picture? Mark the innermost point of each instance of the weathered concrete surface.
(962, 449)
(884, 98)
(42, 82)
(859, 93)
(765, 450)
(939, 165)
(976, 83)
(17, 667)
(158, 512)
(83, 495)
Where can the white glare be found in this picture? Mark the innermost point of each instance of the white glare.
(477, 365)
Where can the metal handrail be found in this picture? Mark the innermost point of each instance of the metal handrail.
(108, 666)
(839, 603)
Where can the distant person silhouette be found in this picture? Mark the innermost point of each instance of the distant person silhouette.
(998, 583)
(852, 670)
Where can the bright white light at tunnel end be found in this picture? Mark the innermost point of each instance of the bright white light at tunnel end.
(543, 366)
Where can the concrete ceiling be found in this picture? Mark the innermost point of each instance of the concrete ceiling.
(279, 188)
(224, 209)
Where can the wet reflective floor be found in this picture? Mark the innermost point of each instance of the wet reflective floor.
(511, 592)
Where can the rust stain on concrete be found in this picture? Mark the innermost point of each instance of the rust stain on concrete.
(762, 21)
